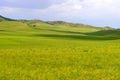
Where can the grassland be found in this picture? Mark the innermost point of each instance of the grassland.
(40, 51)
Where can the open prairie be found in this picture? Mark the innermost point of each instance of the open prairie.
(45, 51)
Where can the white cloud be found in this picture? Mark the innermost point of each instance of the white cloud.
(66, 9)
(99, 8)
(69, 8)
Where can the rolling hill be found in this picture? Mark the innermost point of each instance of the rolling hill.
(5, 19)
(56, 28)
(52, 24)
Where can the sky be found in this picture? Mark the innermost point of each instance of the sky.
(93, 12)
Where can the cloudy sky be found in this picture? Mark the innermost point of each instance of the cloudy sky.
(93, 12)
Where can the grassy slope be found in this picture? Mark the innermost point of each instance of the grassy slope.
(5, 19)
(50, 52)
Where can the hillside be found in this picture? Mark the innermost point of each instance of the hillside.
(55, 24)
(5, 19)
(57, 28)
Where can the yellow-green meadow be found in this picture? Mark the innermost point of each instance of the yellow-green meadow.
(58, 52)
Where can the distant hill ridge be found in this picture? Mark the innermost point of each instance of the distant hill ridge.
(57, 23)
(5, 19)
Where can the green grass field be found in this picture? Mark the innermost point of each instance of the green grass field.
(58, 52)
